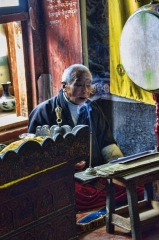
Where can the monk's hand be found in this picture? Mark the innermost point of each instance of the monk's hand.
(80, 165)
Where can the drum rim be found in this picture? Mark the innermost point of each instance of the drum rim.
(153, 12)
(142, 11)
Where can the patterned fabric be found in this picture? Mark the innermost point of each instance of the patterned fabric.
(93, 194)
(120, 83)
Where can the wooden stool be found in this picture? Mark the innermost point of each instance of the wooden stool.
(136, 214)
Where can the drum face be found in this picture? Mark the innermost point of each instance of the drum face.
(139, 49)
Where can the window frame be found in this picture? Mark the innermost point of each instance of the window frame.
(11, 131)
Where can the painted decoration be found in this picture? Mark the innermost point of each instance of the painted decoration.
(98, 45)
(63, 37)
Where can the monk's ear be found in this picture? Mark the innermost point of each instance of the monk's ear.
(63, 85)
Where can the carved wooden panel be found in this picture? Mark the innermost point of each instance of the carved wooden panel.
(37, 192)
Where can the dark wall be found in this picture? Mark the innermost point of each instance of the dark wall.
(132, 124)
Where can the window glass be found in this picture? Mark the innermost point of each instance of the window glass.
(13, 6)
(9, 3)
(12, 67)
(4, 66)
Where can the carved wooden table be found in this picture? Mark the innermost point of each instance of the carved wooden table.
(37, 192)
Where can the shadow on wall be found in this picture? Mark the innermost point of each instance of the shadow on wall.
(132, 125)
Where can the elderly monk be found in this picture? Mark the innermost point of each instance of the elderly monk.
(77, 109)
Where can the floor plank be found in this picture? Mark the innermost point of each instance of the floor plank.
(151, 233)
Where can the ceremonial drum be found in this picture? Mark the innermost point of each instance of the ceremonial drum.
(139, 47)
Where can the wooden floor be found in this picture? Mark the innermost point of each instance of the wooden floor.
(151, 233)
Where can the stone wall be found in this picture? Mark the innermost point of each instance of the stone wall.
(132, 124)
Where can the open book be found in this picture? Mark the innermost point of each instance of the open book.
(124, 165)
(84, 177)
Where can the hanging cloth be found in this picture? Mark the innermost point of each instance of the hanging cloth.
(120, 83)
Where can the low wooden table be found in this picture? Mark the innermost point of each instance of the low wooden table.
(136, 214)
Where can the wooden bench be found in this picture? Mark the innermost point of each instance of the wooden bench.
(137, 214)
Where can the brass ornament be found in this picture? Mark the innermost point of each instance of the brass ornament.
(58, 111)
(120, 69)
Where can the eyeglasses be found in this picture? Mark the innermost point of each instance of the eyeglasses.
(83, 85)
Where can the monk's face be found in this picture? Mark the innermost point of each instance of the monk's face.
(79, 89)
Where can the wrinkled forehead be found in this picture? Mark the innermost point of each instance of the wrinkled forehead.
(81, 76)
